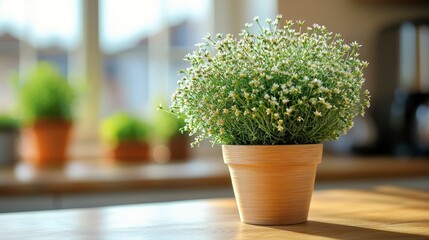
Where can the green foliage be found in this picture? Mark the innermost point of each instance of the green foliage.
(8, 123)
(121, 127)
(167, 125)
(45, 93)
(281, 85)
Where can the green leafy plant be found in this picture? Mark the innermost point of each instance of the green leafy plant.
(123, 127)
(287, 84)
(8, 123)
(45, 93)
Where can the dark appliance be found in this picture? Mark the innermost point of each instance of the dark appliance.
(400, 103)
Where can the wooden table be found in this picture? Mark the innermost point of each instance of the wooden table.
(385, 212)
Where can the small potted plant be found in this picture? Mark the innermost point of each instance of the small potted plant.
(8, 139)
(45, 99)
(126, 136)
(272, 97)
(167, 130)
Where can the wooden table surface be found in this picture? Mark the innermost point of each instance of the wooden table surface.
(384, 212)
(100, 175)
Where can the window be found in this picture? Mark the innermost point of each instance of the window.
(144, 43)
(32, 30)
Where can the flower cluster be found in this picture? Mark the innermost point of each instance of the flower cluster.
(287, 84)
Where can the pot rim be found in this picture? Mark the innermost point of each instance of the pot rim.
(298, 154)
(275, 145)
(49, 123)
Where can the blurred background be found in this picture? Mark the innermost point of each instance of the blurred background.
(127, 53)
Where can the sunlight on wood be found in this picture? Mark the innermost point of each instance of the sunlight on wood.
(384, 212)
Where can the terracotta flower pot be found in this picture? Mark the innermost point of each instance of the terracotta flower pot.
(273, 184)
(130, 151)
(46, 142)
(179, 148)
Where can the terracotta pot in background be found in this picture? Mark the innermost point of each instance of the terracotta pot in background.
(45, 143)
(273, 184)
(131, 151)
(179, 148)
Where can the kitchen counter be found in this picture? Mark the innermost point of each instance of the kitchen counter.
(102, 175)
(100, 182)
(384, 212)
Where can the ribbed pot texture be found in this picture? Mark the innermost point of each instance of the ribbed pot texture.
(273, 184)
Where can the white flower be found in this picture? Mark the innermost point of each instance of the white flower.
(232, 94)
(275, 87)
(328, 105)
(275, 69)
(317, 81)
(317, 113)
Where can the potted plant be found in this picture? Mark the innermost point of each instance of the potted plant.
(167, 130)
(272, 98)
(8, 139)
(126, 136)
(46, 99)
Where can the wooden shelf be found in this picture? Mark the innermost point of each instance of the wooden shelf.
(81, 176)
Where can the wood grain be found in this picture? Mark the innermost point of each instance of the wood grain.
(385, 212)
